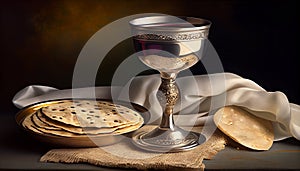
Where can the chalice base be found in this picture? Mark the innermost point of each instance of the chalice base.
(168, 140)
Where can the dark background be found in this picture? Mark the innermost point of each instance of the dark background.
(41, 40)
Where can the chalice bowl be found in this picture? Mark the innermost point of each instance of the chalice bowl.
(169, 45)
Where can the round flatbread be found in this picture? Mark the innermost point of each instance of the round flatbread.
(243, 127)
(80, 118)
(87, 113)
(39, 123)
(28, 124)
(78, 130)
(129, 128)
(70, 128)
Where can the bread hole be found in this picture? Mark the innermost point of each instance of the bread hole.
(88, 103)
(116, 121)
(113, 110)
(53, 116)
(79, 105)
(91, 122)
(72, 107)
(97, 105)
(54, 109)
(74, 113)
(97, 116)
(60, 117)
(135, 114)
(97, 108)
(91, 111)
(104, 119)
(88, 117)
(83, 110)
(62, 110)
(122, 112)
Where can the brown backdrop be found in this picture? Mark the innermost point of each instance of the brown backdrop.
(40, 40)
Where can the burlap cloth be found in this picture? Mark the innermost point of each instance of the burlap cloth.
(125, 155)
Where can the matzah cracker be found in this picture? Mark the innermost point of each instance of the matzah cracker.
(78, 130)
(28, 124)
(39, 123)
(129, 128)
(243, 127)
(59, 119)
(87, 113)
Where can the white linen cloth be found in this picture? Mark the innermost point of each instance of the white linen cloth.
(198, 95)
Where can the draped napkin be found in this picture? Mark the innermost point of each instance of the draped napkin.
(199, 97)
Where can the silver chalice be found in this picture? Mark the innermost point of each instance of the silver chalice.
(169, 44)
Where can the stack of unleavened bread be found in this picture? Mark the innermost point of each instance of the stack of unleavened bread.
(77, 118)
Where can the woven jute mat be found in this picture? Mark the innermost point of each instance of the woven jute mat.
(125, 155)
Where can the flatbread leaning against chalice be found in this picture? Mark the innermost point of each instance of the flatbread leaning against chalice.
(245, 128)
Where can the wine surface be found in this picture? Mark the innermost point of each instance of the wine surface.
(169, 64)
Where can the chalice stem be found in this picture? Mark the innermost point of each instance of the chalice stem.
(169, 98)
(168, 137)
